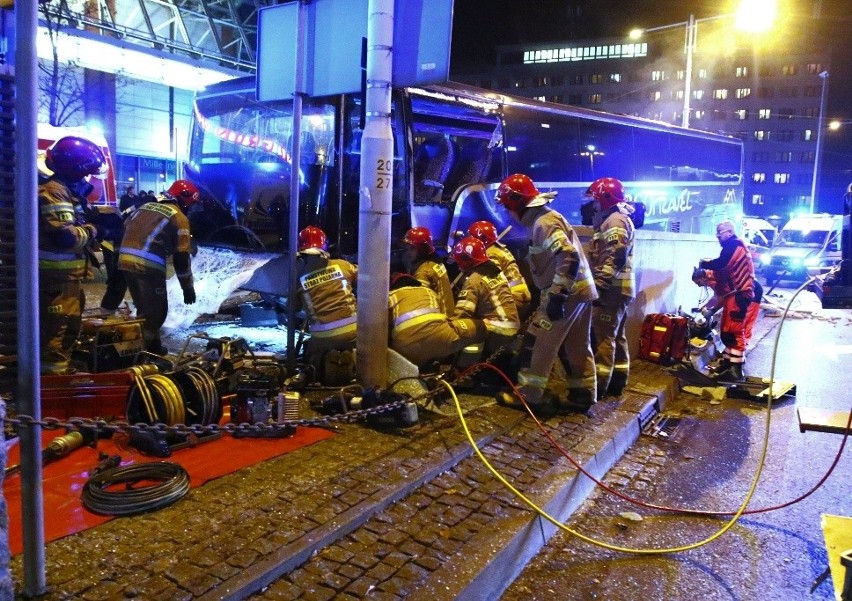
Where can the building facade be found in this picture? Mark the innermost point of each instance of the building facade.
(768, 95)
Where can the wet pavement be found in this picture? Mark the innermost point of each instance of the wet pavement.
(409, 513)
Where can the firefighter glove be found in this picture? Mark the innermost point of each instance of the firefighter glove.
(189, 295)
(556, 306)
(92, 230)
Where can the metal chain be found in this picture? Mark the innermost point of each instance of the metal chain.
(82, 423)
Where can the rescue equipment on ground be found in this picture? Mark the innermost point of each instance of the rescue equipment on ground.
(108, 344)
(664, 338)
(101, 493)
(389, 409)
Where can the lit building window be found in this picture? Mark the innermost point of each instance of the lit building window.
(757, 199)
(743, 92)
(582, 53)
(720, 94)
(782, 178)
(657, 75)
(788, 69)
(678, 94)
(699, 114)
(698, 94)
(615, 78)
(761, 135)
(703, 74)
(758, 178)
(741, 114)
(741, 72)
(656, 95)
(595, 78)
(680, 74)
(594, 98)
(764, 113)
(807, 135)
(813, 68)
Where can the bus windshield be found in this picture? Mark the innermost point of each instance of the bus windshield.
(240, 152)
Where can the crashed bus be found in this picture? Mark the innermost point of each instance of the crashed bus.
(453, 145)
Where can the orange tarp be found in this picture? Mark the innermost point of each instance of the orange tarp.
(64, 479)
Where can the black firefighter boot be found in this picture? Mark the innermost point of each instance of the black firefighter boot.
(617, 382)
(733, 372)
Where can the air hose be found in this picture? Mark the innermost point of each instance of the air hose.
(173, 485)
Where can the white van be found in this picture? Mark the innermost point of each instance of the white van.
(807, 245)
(758, 235)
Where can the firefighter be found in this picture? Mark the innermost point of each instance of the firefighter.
(485, 294)
(154, 232)
(561, 325)
(327, 288)
(733, 273)
(505, 260)
(420, 332)
(65, 246)
(611, 260)
(422, 262)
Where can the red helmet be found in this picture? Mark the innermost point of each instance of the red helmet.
(516, 192)
(483, 231)
(184, 192)
(608, 191)
(72, 158)
(312, 241)
(421, 239)
(469, 252)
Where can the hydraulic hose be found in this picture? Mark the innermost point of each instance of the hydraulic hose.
(174, 484)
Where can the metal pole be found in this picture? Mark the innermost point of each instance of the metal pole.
(374, 220)
(691, 31)
(26, 264)
(818, 153)
(295, 162)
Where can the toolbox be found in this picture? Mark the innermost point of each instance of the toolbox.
(102, 395)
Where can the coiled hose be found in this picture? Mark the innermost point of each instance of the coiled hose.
(174, 484)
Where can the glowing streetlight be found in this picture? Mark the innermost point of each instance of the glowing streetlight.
(754, 16)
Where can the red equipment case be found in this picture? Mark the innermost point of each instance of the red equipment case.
(664, 338)
(102, 395)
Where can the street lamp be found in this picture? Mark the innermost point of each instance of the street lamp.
(818, 153)
(752, 15)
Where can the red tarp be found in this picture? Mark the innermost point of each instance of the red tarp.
(64, 513)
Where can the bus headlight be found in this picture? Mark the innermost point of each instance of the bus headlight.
(811, 261)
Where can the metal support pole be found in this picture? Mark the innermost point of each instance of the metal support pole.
(818, 153)
(26, 264)
(376, 193)
(295, 162)
(691, 39)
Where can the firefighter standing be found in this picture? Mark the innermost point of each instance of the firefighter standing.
(156, 231)
(65, 243)
(733, 272)
(505, 260)
(420, 332)
(327, 296)
(611, 260)
(422, 262)
(561, 325)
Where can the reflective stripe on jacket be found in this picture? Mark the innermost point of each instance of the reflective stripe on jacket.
(62, 239)
(153, 233)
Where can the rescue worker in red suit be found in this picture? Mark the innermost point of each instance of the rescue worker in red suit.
(561, 325)
(505, 260)
(611, 260)
(485, 295)
(327, 294)
(733, 272)
(154, 232)
(420, 332)
(65, 244)
(421, 261)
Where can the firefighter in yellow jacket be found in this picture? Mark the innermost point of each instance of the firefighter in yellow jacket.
(327, 288)
(561, 326)
(420, 332)
(611, 260)
(485, 294)
(65, 242)
(505, 260)
(422, 262)
(156, 231)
